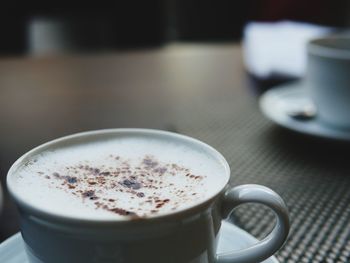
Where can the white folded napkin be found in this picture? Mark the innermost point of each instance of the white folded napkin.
(278, 48)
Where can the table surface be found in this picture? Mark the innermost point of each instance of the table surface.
(198, 90)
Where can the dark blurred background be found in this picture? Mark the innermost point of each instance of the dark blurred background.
(35, 27)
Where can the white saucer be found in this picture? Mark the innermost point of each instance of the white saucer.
(232, 237)
(276, 103)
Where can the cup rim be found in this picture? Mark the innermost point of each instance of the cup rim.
(42, 214)
(323, 47)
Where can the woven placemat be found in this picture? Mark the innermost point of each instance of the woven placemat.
(312, 175)
(203, 93)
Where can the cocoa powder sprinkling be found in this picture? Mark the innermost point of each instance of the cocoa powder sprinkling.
(125, 188)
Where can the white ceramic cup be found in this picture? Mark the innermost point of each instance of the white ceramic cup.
(328, 79)
(188, 236)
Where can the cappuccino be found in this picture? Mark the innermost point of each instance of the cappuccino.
(118, 178)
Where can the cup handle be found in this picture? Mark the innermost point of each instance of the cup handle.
(269, 245)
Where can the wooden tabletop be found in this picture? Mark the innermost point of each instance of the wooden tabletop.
(198, 90)
(48, 97)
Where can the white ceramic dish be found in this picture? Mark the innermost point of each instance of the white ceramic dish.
(12, 250)
(277, 102)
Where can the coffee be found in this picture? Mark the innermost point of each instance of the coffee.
(119, 178)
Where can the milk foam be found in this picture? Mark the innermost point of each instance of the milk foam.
(119, 178)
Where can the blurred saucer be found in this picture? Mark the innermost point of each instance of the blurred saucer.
(231, 237)
(279, 105)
